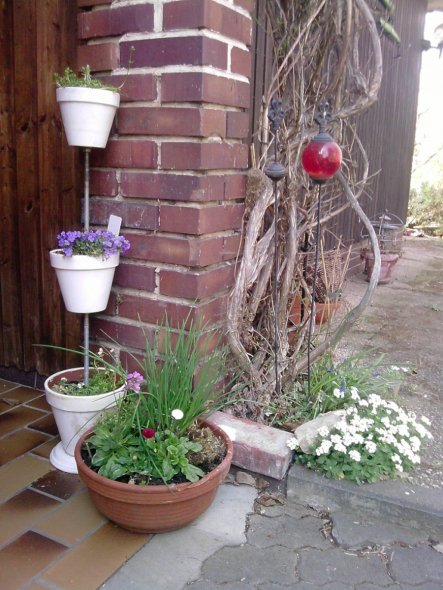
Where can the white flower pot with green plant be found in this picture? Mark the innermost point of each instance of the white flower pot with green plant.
(85, 263)
(87, 107)
(77, 406)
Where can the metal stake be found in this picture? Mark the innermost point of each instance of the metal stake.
(314, 283)
(275, 171)
(86, 315)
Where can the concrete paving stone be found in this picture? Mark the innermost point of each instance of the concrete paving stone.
(287, 532)
(394, 501)
(425, 586)
(167, 562)
(251, 564)
(416, 565)
(289, 509)
(225, 519)
(308, 586)
(390, 587)
(335, 565)
(356, 531)
(207, 585)
(174, 559)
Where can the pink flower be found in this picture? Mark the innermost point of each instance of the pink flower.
(148, 433)
(133, 381)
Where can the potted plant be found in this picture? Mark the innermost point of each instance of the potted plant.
(332, 268)
(76, 405)
(85, 263)
(153, 465)
(87, 107)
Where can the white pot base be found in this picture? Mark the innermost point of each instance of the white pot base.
(60, 459)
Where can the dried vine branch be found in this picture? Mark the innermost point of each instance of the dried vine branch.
(317, 55)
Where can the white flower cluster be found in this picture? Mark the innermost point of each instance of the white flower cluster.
(292, 443)
(371, 423)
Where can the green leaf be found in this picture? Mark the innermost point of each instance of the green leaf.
(193, 473)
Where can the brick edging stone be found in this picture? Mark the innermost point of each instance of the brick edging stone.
(257, 447)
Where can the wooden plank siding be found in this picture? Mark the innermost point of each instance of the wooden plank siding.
(10, 334)
(40, 188)
(387, 129)
(261, 71)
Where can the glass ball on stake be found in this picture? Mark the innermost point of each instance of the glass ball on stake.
(321, 159)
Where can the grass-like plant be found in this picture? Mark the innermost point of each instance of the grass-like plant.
(85, 80)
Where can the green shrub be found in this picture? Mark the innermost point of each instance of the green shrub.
(426, 204)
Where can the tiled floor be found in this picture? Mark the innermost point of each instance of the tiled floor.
(51, 536)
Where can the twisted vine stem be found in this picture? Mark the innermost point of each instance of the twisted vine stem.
(317, 55)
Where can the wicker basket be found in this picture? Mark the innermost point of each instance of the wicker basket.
(332, 268)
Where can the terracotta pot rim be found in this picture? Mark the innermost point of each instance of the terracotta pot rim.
(158, 488)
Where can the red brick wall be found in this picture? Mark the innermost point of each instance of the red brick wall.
(174, 165)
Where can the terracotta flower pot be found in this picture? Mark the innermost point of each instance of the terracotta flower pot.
(323, 311)
(153, 508)
(388, 261)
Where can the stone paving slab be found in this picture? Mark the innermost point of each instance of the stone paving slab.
(239, 545)
(357, 532)
(170, 560)
(396, 501)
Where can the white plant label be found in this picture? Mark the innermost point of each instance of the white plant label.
(114, 224)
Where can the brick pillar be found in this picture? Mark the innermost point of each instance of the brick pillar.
(174, 168)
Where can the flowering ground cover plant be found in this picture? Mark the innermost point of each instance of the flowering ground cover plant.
(96, 243)
(329, 383)
(376, 439)
(154, 436)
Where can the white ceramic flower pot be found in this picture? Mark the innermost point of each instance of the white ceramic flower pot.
(85, 281)
(87, 114)
(74, 415)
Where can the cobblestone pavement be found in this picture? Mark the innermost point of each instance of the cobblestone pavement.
(293, 546)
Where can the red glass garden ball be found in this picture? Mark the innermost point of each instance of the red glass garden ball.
(321, 158)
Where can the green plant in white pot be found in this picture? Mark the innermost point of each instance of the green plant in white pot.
(87, 107)
(76, 405)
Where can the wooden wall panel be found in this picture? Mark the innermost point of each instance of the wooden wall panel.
(25, 86)
(261, 70)
(41, 192)
(10, 334)
(387, 130)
